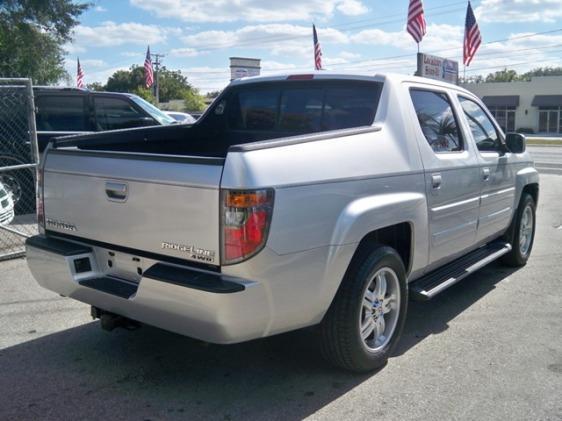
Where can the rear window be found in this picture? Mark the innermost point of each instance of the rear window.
(303, 107)
(61, 113)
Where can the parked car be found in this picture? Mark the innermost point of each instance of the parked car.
(6, 206)
(183, 118)
(67, 111)
(320, 200)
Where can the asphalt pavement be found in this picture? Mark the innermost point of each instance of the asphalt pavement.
(548, 159)
(489, 348)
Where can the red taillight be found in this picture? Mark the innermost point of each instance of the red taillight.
(245, 223)
(40, 202)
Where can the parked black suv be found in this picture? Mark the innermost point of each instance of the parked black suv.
(66, 111)
(61, 111)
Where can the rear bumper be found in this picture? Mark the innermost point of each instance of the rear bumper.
(204, 305)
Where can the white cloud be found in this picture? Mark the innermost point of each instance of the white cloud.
(93, 63)
(438, 37)
(184, 52)
(349, 55)
(519, 10)
(111, 34)
(352, 7)
(100, 9)
(132, 54)
(72, 48)
(250, 10)
(278, 39)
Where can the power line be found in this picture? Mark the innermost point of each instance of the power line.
(370, 61)
(392, 64)
(278, 38)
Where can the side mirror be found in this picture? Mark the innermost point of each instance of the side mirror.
(516, 142)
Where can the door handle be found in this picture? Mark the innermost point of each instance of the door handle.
(436, 181)
(486, 174)
(116, 192)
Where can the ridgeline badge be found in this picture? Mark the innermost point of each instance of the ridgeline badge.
(60, 225)
(194, 252)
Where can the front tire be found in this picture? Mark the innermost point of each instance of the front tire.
(522, 233)
(366, 318)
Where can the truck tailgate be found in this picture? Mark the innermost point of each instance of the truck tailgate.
(167, 205)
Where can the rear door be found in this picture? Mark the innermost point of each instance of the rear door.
(497, 175)
(451, 174)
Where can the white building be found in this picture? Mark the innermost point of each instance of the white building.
(535, 105)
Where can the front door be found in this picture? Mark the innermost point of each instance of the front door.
(452, 176)
(497, 177)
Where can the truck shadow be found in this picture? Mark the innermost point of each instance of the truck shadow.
(86, 373)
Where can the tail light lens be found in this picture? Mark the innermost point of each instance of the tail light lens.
(245, 223)
(40, 202)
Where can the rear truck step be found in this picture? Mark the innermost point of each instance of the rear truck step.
(82, 264)
(439, 280)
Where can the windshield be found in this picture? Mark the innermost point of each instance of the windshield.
(153, 111)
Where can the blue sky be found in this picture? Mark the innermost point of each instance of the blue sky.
(198, 36)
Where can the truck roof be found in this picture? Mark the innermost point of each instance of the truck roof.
(329, 75)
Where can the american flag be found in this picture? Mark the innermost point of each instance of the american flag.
(472, 38)
(148, 72)
(416, 20)
(79, 76)
(317, 50)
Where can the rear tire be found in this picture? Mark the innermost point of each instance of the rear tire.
(366, 318)
(521, 234)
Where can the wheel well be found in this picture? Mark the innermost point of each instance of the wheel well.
(398, 236)
(533, 190)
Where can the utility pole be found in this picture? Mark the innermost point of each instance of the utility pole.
(156, 63)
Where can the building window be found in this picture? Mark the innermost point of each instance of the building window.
(505, 116)
(550, 120)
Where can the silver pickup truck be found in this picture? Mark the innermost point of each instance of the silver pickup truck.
(319, 200)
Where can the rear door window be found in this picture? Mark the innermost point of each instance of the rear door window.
(304, 107)
(61, 113)
(437, 120)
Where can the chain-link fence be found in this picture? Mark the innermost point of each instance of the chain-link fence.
(18, 162)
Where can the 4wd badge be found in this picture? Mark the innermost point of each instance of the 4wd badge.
(194, 252)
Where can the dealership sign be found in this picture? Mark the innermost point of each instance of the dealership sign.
(437, 68)
(243, 67)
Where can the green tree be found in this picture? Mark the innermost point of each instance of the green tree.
(542, 71)
(32, 33)
(145, 93)
(502, 76)
(126, 80)
(95, 86)
(213, 94)
(193, 101)
(173, 85)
